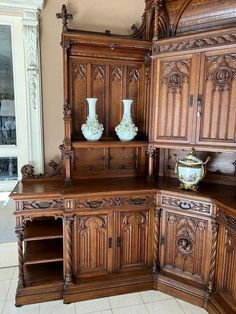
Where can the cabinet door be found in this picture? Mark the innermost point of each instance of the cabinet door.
(185, 246)
(133, 240)
(216, 117)
(226, 270)
(92, 246)
(175, 97)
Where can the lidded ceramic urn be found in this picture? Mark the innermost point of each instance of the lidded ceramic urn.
(191, 170)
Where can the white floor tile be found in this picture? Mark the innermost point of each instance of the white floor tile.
(166, 307)
(190, 308)
(16, 273)
(1, 305)
(92, 306)
(10, 308)
(12, 290)
(125, 300)
(152, 296)
(4, 287)
(56, 307)
(102, 312)
(8, 254)
(6, 273)
(134, 309)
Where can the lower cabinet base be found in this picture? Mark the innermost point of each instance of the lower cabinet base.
(217, 305)
(37, 294)
(89, 289)
(104, 288)
(192, 293)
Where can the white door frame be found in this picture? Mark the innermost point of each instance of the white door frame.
(23, 17)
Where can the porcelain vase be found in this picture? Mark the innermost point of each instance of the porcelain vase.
(92, 130)
(126, 130)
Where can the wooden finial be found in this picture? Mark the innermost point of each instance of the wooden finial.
(65, 17)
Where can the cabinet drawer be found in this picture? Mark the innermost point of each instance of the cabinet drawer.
(42, 204)
(116, 201)
(186, 204)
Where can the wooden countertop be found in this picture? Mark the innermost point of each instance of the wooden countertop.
(38, 188)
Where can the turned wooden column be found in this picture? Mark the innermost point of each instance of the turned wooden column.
(68, 221)
(211, 283)
(156, 263)
(158, 4)
(151, 152)
(19, 233)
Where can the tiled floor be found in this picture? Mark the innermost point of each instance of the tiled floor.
(7, 219)
(147, 302)
(8, 248)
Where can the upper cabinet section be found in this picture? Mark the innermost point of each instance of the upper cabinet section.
(170, 18)
(98, 66)
(193, 16)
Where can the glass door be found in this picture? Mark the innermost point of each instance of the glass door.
(8, 164)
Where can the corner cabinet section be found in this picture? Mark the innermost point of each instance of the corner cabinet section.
(174, 96)
(194, 96)
(185, 246)
(216, 117)
(226, 260)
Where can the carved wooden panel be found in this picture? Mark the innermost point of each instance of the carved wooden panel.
(217, 112)
(123, 158)
(185, 204)
(91, 247)
(226, 276)
(115, 201)
(90, 158)
(42, 204)
(174, 101)
(185, 246)
(78, 80)
(133, 239)
(133, 89)
(98, 90)
(109, 82)
(116, 89)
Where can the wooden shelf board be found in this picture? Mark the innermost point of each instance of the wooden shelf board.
(109, 143)
(41, 274)
(43, 251)
(43, 229)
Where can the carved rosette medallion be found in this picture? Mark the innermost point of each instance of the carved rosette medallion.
(174, 74)
(221, 71)
(184, 245)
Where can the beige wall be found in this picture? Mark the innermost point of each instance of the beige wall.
(98, 15)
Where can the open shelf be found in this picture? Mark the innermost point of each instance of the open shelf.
(108, 143)
(43, 229)
(40, 274)
(43, 251)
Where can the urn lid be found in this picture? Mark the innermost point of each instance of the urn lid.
(191, 159)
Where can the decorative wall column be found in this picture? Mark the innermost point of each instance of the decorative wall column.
(30, 103)
(30, 22)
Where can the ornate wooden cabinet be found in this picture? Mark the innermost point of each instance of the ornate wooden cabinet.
(194, 94)
(108, 224)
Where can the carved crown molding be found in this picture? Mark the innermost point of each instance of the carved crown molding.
(198, 43)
